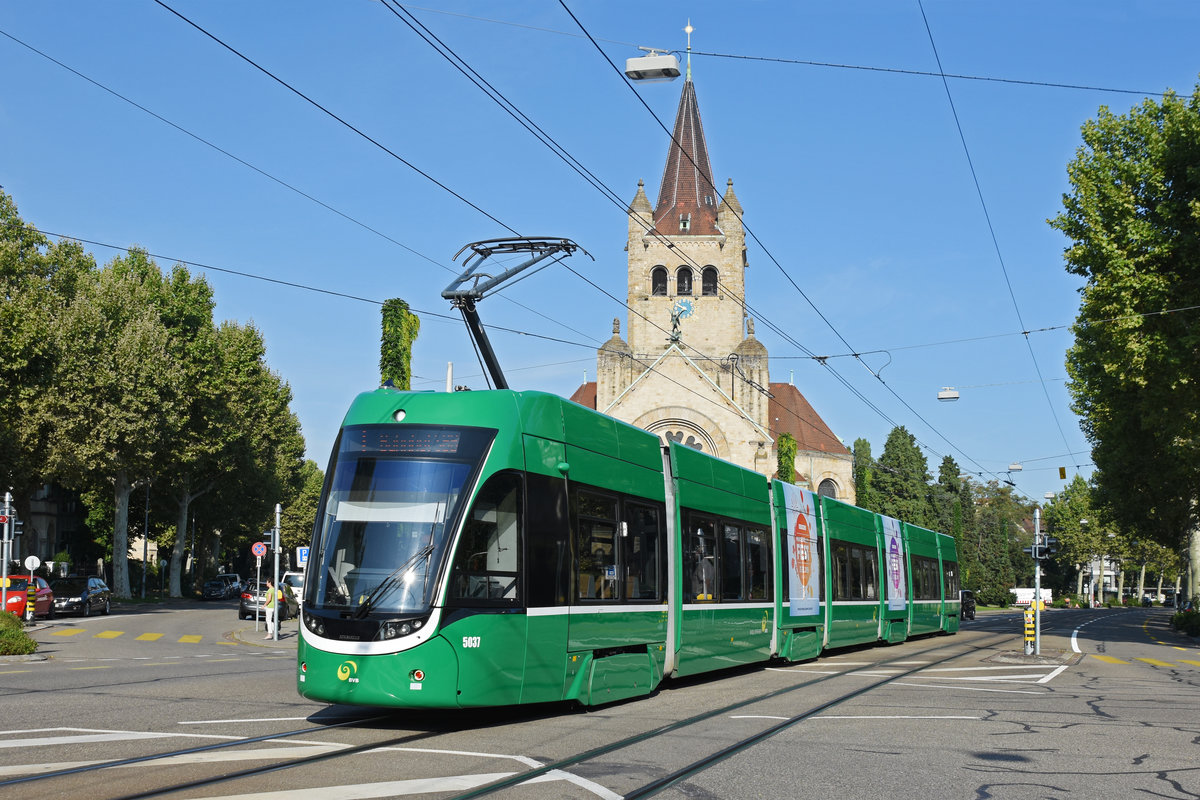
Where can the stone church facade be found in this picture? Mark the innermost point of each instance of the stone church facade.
(691, 369)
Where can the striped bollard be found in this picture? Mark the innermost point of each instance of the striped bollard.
(1029, 631)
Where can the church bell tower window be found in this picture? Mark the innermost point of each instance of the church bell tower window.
(658, 281)
(708, 282)
(685, 222)
(683, 281)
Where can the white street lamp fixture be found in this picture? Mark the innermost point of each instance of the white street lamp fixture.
(1015, 467)
(948, 394)
(658, 67)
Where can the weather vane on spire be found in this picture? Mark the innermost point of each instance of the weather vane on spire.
(688, 30)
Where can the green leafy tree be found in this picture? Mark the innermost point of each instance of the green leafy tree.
(1133, 219)
(1073, 520)
(115, 400)
(263, 462)
(400, 329)
(785, 447)
(37, 279)
(902, 479)
(864, 476)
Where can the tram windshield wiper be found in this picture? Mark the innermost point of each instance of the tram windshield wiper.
(388, 583)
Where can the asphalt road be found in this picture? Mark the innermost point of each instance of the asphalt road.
(1111, 709)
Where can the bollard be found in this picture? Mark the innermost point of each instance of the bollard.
(1029, 632)
(30, 601)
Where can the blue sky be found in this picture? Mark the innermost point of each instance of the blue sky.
(854, 179)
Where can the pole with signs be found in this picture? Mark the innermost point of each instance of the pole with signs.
(259, 550)
(275, 583)
(5, 538)
(1037, 582)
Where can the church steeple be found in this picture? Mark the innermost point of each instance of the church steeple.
(687, 198)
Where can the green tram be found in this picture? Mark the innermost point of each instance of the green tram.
(499, 547)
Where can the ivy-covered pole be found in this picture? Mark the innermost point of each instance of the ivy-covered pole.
(400, 329)
(785, 447)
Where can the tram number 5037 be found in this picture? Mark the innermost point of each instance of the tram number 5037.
(471, 641)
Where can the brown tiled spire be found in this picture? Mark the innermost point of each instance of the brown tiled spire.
(687, 189)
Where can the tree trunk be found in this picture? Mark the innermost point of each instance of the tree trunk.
(1079, 580)
(181, 518)
(120, 556)
(1193, 563)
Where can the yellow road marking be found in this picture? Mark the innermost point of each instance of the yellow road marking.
(1155, 662)
(1108, 659)
(109, 634)
(191, 638)
(68, 632)
(149, 637)
(235, 644)
(79, 668)
(1193, 663)
(14, 671)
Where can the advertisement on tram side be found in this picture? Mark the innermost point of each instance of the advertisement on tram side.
(804, 568)
(893, 549)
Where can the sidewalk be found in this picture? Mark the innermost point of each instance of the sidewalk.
(289, 635)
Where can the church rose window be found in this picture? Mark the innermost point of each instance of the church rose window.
(683, 281)
(709, 281)
(658, 281)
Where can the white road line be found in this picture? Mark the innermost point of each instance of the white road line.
(897, 716)
(366, 791)
(1053, 675)
(965, 688)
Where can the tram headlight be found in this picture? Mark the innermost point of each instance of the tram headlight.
(397, 628)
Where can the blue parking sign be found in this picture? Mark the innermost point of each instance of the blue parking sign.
(302, 556)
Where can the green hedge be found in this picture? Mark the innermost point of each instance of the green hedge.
(13, 639)
(1187, 622)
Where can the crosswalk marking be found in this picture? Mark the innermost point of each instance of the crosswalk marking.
(1108, 659)
(68, 632)
(1154, 662)
(1189, 661)
(190, 639)
(109, 634)
(149, 637)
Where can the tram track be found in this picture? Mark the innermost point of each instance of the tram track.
(493, 787)
(666, 781)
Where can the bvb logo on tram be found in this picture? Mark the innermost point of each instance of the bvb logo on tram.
(347, 671)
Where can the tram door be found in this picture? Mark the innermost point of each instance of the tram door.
(487, 622)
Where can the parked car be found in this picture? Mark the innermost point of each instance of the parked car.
(215, 590)
(80, 595)
(18, 598)
(294, 580)
(233, 583)
(252, 602)
(967, 597)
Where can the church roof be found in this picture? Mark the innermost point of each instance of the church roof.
(789, 412)
(687, 185)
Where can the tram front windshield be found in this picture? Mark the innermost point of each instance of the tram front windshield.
(390, 503)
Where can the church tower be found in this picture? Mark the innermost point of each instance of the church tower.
(691, 369)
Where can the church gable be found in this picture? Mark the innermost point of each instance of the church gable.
(676, 399)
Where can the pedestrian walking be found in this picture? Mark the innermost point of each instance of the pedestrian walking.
(271, 603)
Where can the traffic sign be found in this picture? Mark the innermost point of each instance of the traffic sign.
(259, 549)
(3, 519)
(302, 556)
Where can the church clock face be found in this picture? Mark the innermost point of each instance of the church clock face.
(683, 309)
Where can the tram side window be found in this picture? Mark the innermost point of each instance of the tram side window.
(699, 559)
(731, 562)
(925, 579)
(488, 560)
(596, 529)
(641, 553)
(547, 541)
(855, 572)
(950, 579)
(758, 565)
